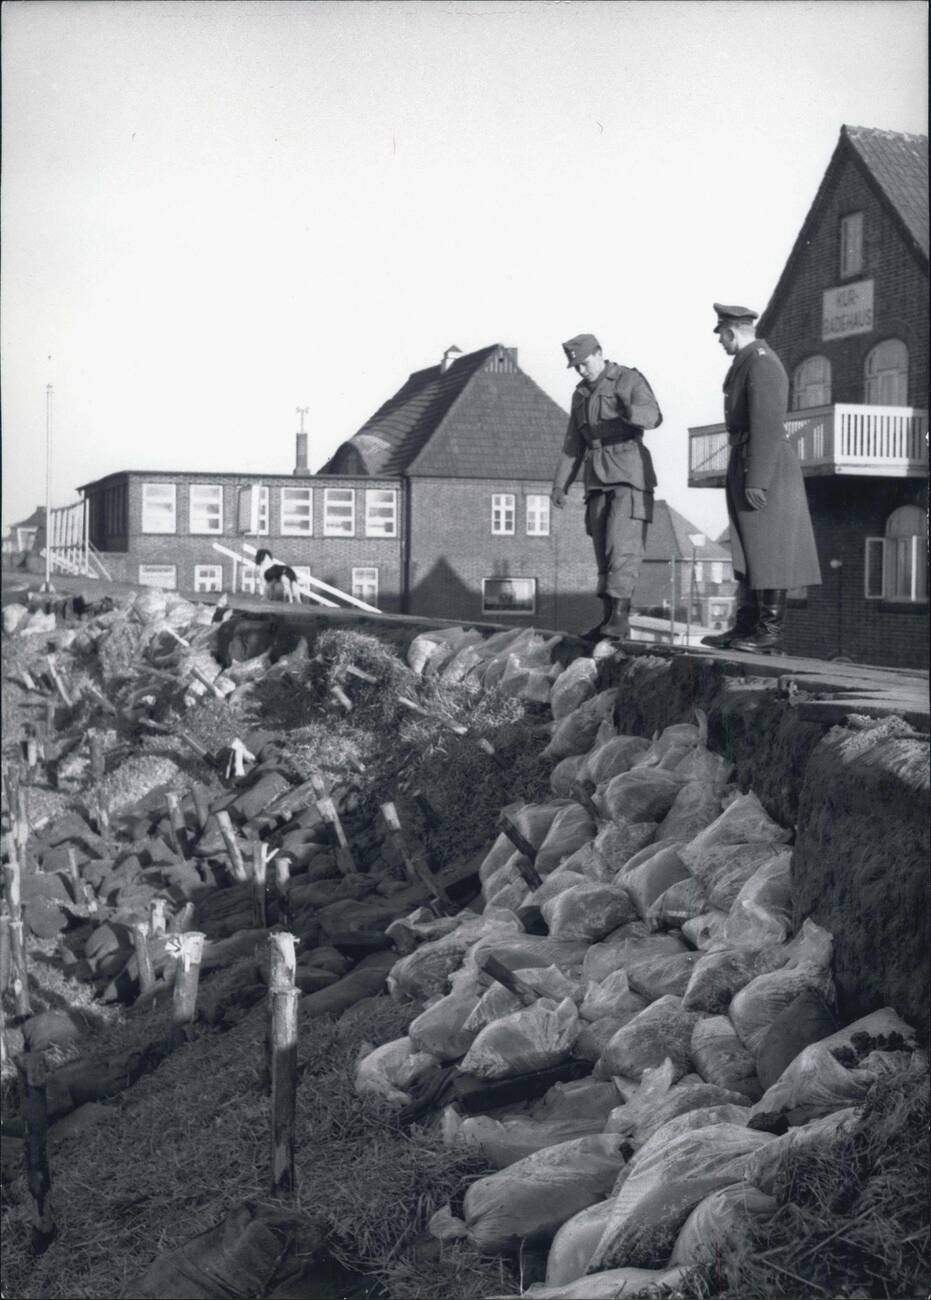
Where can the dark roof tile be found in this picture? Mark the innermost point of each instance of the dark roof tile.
(899, 164)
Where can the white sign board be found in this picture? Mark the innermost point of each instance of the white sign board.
(847, 310)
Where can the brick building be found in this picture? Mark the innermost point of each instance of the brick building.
(679, 557)
(849, 319)
(439, 505)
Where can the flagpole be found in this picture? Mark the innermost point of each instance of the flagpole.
(48, 487)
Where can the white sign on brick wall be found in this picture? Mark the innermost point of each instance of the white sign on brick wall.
(847, 310)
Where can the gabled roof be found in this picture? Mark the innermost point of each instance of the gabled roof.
(35, 520)
(480, 418)
(895, 165)
(668, 536)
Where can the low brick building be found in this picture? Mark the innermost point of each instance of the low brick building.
(849, 319)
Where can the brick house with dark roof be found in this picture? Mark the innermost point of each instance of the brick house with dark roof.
(438, 505)
(849, 319)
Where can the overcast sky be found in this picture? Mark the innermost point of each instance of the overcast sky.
(213, 213)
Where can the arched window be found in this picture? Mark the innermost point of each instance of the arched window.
(885, 375)
(897, 564)
(811, 384)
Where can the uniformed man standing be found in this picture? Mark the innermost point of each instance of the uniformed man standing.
(772, 541)
(611, 407)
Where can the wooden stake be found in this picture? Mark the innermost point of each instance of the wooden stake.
(6, 959)
(181, 922)
(414, 708)
(430, 814)
(260, 857)
(90, 898)
(178, 835)
(91, 690)
(488, 748)
(362, 676)
(12, 885)
(57, 682)
(19, 971)
(237, 866)
(180, 639)
(283, 1000)
(158, 923)
(345, 861)
(513, 983)
(583, 795)
(143, 956)
(50, 727)
(283, 888)
(31, 753)
(98, 759)
(103, 819)
(201, 807)
(33, 1076)
(72, 859)
(341, 698)
(205, 681)
(523, 846)
(417, 871)
(318, 785)
(190, 948)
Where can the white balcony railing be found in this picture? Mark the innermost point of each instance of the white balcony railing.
(882, 441)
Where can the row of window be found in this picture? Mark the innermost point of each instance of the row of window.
(205, 510)
(504, 515)
(209, 577)
(885, 378)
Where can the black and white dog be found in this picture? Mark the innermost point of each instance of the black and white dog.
(277, 575)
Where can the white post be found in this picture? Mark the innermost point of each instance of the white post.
(48, 487)
(672, 604)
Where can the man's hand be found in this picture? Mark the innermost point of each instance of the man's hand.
(756, 497)
(558, 497)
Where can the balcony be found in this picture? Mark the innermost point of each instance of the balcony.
(879, 441)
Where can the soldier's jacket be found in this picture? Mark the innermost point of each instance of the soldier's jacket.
(756, 394)
(606, 424)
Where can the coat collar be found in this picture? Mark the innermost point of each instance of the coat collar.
(741, 360)
(610, 372)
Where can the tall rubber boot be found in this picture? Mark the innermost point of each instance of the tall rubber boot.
(618, 625)
(766, 638)
(745, 620)
(594, 633)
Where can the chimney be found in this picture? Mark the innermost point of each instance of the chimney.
(300, 453)
(449, 356)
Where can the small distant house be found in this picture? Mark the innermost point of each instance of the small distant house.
(687, 568)
(27, 535)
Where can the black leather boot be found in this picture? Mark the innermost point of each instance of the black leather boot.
(594, 633)
(617, 626)
(766, 638)
(744, 621)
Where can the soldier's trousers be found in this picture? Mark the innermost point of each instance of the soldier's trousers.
(616, 519)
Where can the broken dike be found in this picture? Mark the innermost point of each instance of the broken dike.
(366, 958)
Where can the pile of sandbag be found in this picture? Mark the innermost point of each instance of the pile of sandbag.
(518, 660)
(634, 998)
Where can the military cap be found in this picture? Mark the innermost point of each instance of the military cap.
(582, 346)
(728, 316)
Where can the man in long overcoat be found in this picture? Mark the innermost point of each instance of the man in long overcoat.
(772, 541)
(611, 407)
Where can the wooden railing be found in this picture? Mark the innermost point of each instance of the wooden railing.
(845, 438)
(68, 542)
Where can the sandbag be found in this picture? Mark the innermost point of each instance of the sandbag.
(593, 1038)
(497, 1001)
(654, 1202)
(653, 877)
(575, 1242)
(561, 879)
(654, 977)
(530, 1200)
(813, 946)
(765, 1167)
(688, 1095)
(707, 930)
(533, 820)
(526, 1040)
(807, 1019)
(758, 1003)
(663, 1029)
(682, 901)
(762, 911)
(627, 945)
(719, 975)
(504, 1142)
(687, 1122)
(611, 996)
(423, 973)
(587, 911)
(614, 756)
(565, 774)
(590, 1097)
(588, 862)
(719, 1221)
(519, 950)
(616, 843)
(440, 1029)
(700, 764)
(677, 736)
(695, 806)
(743, 821)
(721, 1058)
(724, 869)
(573, 687)
(575, 732)
(644, 794)
(570, 829)
(609, 1285)
(385, 1072)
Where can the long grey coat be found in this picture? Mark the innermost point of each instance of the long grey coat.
(773, 547)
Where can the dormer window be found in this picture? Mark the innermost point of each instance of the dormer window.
(851, 245)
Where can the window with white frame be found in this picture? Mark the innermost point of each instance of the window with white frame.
(297, 511)
(509, 595)
(253, 510)
(885, 374)
(502, 514)
(247, 577)
(339, 512)
(208, 577)
(365, 585)
(538, 515)
(381, 512)
(158, 575)
(205, 512)
(698, 569)
(158, 507)
(811, 384)
(851, 244)
(897, 564)
(717, 571)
